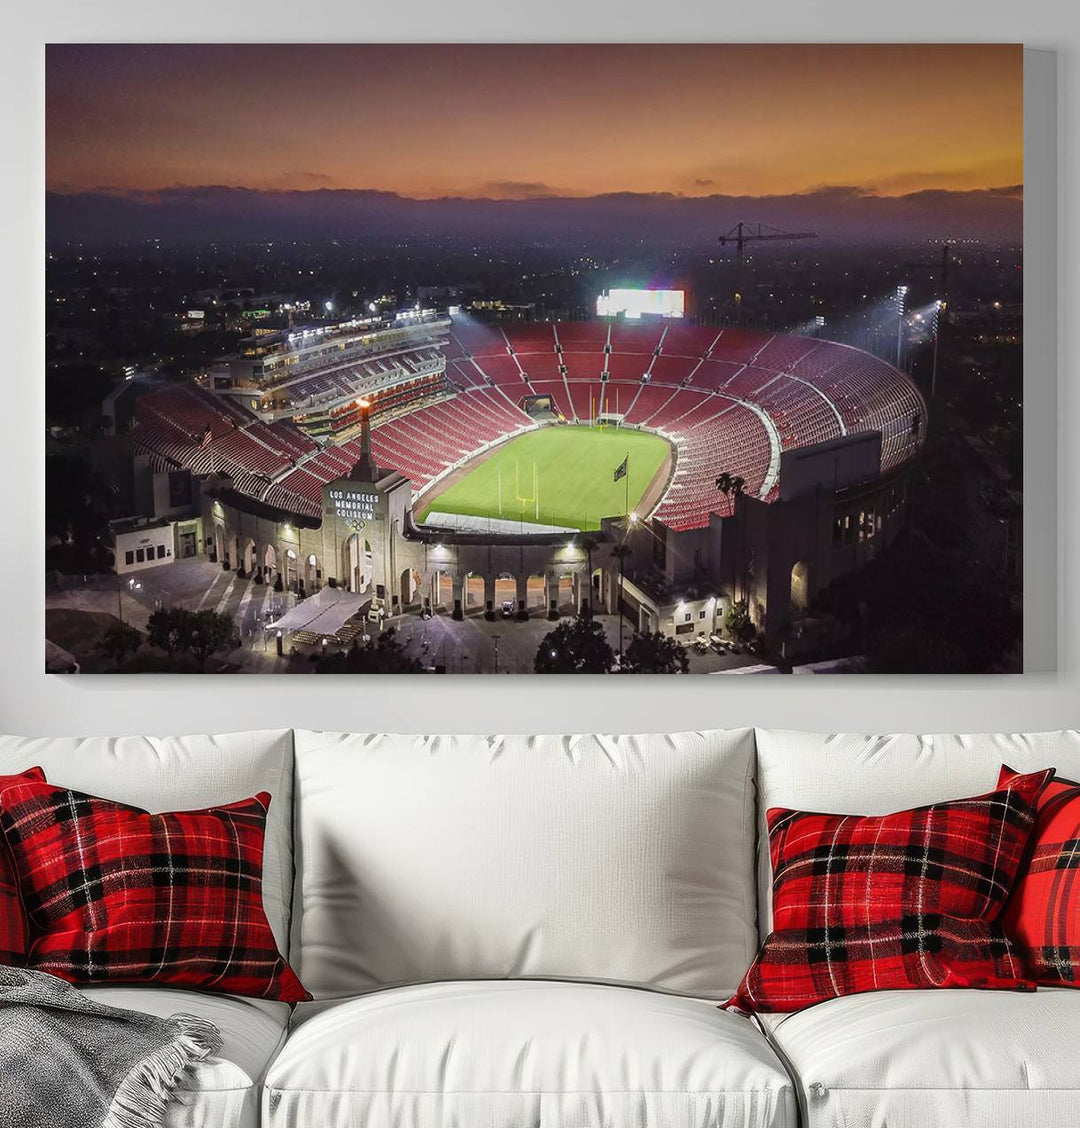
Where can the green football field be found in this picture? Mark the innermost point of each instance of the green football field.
(557, 476)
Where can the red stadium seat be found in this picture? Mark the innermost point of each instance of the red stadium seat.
(729, 400)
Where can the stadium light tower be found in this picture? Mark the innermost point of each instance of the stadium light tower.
(944, 268)
(939, 309)
(901, 293)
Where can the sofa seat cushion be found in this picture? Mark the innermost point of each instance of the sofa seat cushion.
(910, 1059)
(525, 1054)
(223, 1091)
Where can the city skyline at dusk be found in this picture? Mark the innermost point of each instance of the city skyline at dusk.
(518, 122)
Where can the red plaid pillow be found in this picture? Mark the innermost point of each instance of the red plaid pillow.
(1043, 914)
(912, 899)
(115, 894)
(13, 931)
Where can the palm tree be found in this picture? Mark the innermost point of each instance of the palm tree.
(732, 485)
(589, 544)
(621, 551)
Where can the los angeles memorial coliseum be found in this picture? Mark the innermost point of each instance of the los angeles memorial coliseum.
(437, 462)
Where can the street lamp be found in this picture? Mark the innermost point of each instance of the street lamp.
(133, 586)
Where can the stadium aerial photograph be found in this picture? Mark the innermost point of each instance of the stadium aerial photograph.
(562, 358)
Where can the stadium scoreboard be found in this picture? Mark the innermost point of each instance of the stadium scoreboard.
(635, 303)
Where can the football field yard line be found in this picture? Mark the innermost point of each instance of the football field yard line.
(571, 470)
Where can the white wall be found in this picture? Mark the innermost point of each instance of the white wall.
(30, 702)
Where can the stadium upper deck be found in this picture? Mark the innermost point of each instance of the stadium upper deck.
(308, 374)
(729, 400)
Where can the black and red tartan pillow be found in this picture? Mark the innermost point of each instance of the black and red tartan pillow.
(907, 900)
(1042, 917)
(115, 894)
(13, 933)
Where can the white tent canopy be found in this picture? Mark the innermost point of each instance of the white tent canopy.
(325, 612)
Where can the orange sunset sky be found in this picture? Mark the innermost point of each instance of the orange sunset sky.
(514, 121)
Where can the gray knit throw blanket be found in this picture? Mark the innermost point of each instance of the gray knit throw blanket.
(69, 1062)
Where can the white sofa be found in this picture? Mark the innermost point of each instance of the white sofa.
(534, 932)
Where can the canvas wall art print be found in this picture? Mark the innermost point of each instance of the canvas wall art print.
(562, 358)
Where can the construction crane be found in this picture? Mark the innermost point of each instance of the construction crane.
(743, 233)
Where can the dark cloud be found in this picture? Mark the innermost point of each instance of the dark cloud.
(840, 213)
(517, 189)
(289, 180)
(837, 191)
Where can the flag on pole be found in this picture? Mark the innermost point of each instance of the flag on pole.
(621, 469)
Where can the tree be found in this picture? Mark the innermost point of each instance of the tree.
(119, 641)
(198, 633)
(576, 647)
(730, 484)
(385, 654)
(738, 621)
(654, 653)
(164, 629)
(206, 632)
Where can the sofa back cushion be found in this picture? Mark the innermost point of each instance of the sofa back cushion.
(178, 774)
(852, 773)
(623, 859)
